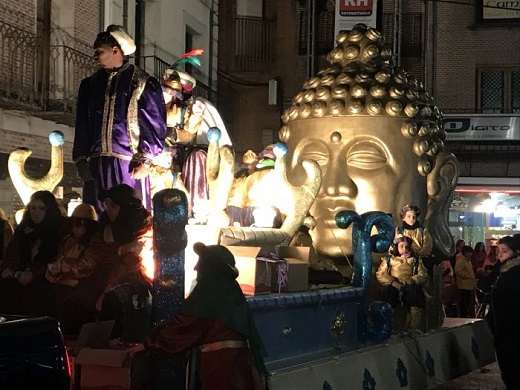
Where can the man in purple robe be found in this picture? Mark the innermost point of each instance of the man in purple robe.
(120, 121)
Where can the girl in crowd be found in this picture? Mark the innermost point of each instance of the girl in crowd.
(458, 250)
(504, 315)
(403, 276)
(478, 257)
(23, 286)
(71, 267)
(466, 281)
(491, 257)
(421, 238)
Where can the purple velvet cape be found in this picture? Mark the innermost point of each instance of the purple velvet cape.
(121, 115)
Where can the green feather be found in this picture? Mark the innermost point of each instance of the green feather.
(190, 60)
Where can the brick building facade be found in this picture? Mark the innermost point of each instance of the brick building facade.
(46, 50)
(465, 52)
(442, 43)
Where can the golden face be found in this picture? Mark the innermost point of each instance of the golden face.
(367, 165)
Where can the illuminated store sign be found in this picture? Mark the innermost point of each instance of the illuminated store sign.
(351, 12)
(481, 127)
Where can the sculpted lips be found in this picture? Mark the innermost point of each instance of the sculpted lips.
(328, 208)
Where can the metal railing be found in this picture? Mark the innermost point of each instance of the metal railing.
(411, 33)
(42, 80)
(45, 80)
(253, 44)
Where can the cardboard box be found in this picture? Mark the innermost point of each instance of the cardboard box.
(295, 252)
(261, 277)
(296, 276)
(251, 282)
(103, 368)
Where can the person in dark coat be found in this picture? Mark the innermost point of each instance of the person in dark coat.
(505, 311)
(117, 288)
(23, 287)
(215, 320)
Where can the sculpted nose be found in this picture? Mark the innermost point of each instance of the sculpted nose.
(339, 184)
(342, 190)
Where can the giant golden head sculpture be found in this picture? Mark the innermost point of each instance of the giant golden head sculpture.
(377, 137)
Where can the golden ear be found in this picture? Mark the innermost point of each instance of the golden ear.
(441, 183)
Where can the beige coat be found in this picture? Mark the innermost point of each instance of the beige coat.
(464, 273)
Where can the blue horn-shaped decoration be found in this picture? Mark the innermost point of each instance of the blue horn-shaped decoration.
(363, 244)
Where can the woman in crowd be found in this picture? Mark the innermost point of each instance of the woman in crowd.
(478, 257)
(216, 322)
(6, 232)
(491, 257)
(505, 312)
(23, 286)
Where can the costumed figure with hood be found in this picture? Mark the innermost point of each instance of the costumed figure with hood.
(188, 119)
(120, 121)
(216, 323)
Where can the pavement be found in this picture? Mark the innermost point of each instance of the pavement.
(486, 378)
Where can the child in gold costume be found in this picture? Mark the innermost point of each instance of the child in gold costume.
(421, 238)
(402, 276)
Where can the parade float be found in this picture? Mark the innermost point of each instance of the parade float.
(362, 139)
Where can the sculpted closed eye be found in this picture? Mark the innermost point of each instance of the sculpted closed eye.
(320, 158)
(367, 155)
(314, 151)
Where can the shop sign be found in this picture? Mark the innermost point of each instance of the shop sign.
(500, 10)
(351, 12)
(481, 127)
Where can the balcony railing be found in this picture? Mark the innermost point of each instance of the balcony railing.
(253, 44)
(42, 80)
(411, 33)
(45, 80)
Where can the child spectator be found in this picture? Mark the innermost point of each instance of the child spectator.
(71, 267)
(421, 238)
(465, 280)
(402, 276)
